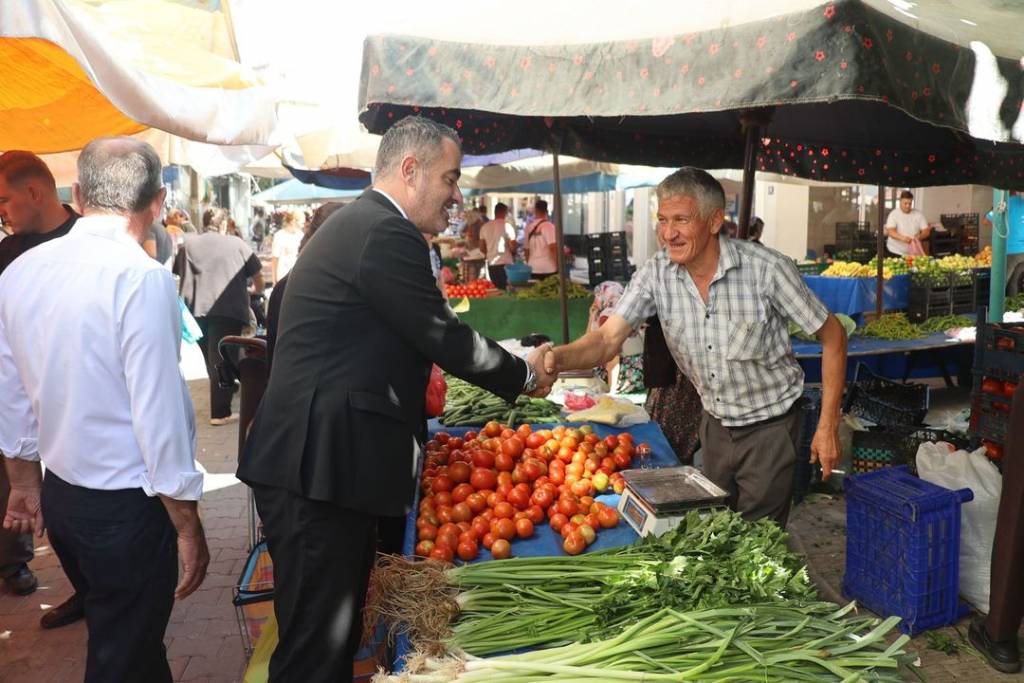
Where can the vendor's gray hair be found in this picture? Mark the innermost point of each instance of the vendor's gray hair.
(697, 183)
(118, 174)
(414, 135)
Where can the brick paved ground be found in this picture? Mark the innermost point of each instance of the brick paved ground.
(203, 642)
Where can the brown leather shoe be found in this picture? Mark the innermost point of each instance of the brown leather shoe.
(22, 582)
(68, 612)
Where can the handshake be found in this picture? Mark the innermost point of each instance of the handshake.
(542, 360)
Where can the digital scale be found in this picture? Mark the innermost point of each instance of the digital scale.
(655, 500)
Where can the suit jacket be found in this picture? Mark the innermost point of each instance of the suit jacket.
(362, 321)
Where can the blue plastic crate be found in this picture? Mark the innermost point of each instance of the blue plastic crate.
(903, 548)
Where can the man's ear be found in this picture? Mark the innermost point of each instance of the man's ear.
(76, 196)
(409, 168)
(716, 220)
(157, 205)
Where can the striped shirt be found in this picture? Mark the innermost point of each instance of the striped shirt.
(735, 349)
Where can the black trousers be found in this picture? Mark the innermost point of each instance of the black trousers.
(498, 276)
(15, 549)
(214, 329)
(322, 557)
(120, 552)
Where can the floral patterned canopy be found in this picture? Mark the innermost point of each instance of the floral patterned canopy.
(853, 94)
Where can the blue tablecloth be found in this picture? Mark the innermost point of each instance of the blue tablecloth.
(856, 295)
(890, 358)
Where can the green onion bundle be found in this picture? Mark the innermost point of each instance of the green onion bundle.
(750, 643)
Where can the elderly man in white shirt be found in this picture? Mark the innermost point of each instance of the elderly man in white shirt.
(89, 338)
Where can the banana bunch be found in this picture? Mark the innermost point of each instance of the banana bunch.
(853, 269)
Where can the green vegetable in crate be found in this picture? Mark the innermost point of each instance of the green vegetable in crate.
(892, 326)
(941, 323)
(469, 405)
(548, 289)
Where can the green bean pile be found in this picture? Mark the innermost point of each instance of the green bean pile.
(941, 323)
(468, 405)
(893, 326)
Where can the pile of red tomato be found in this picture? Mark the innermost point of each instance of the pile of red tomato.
(1003, 390)
(492, 487)
(476, 289)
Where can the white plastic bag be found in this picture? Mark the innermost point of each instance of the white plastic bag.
(957, 470)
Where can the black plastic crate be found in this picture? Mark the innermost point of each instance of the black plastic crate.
(884, 401)
(940, 244)
(893, 446)
(990, 417)
(964, 227)
(999, 348)
(804, 471)
(617, 239)
(982, 286)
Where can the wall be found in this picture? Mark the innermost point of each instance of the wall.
(784, 209)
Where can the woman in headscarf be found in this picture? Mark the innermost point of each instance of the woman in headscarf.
(623, 374)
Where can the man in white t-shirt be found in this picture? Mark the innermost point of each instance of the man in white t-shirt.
(541, 243)
(904, 225)
(498, 242)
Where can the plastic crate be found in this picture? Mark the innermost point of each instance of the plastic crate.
(811, 268)
(885, 401)
(999, 348)
(893, 446)
(903, 548)
(990, 418)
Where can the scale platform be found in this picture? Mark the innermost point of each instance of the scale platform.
(655, 500)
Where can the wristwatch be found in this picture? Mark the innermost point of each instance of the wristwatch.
(531, 379)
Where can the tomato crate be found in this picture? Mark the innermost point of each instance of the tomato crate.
(903, 548)
(990, 417)
(999, 348)
(885, 401)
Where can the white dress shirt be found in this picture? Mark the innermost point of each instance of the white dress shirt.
(89, 338)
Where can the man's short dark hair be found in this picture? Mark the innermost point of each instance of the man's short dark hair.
(119, 174)
(906, 194)
(500, 208)
(415, 135)
(18, 166)
(540, 206)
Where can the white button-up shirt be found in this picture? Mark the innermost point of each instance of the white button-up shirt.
(89, 341)
(735, 349)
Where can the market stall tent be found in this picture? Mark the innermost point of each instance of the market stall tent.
(295, 191)
(76, 69)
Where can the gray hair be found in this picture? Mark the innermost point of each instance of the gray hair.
(697, 183)
(119, 174)
(218, 221)
(414, 135)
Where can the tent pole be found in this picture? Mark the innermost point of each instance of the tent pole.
(880, 254)
(747, 192)
(560, 249)
(997, 290)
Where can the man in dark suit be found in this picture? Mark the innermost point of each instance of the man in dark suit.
(335, 442)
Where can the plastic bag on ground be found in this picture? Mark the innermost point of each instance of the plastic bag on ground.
(956, 470)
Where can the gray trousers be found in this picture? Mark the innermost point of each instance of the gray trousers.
(15, 549)
(754, 464)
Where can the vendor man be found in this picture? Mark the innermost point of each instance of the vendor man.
(904, 225)
(724, 306)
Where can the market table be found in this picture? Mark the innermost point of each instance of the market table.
(929, 356)
(546, 542)
(506, 317)
(855, 296)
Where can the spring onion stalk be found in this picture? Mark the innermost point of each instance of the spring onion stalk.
(813, 642)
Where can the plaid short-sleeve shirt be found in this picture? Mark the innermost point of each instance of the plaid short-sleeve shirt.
(735, 349)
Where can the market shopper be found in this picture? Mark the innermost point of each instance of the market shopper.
(724, 305)
(214, 268)
(995, 636)
(284, 246)
(904, 225)
(337, 437)
(1014, 243)
(498, 242)
(541, 242)
(91, 386)
(31, 210)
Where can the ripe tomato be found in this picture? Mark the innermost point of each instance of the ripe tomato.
(513, 446)
(622, 460)
(423, 548)
(455, 443)
(439, 438)
(494, 498)
(444, 514)
(583, 487)
(535, 514)
(524, 528)
(459, 472)
(442, 554)
(594, 520)
(447, 541)
(504, 528)
(588, 533)
(519, 499)
(491, 429)
(442, 483)
(1009, 388)
(482, 458)
(524, 430)
(468, 550)
(611, 441)
(480, 528)
(427, 532)
(461, 513)
(483, 478)
(501, 549)
(535, 440)
(488, 540)
(462, 492)
(442, 499)
(504, 510)
(542, 497)
(991, 386)
(567, 506)
(476, 503)
(574, 543)
(502, 462)
(469, 436)
(557, 521)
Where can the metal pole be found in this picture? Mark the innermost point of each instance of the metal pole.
(1000, 228)
(747, 193)
(880, 282)
(560, 250)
